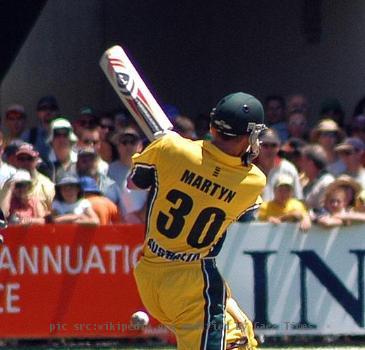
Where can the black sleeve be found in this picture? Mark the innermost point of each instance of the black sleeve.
(143, 176)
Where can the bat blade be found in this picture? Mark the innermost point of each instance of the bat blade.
(134, 93)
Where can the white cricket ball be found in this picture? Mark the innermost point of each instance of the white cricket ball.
(140, 319)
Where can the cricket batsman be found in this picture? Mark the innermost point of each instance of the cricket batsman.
(196, 190)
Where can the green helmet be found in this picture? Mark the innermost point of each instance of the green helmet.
(237, 114)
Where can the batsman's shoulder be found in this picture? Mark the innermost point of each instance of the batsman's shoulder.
(261, 177)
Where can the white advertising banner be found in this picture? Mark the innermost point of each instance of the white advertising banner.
(290, 282)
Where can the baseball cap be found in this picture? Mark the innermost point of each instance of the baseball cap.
(351, 143)
(86, 110)
(12, 148)
(62, 124)
(89, 185)
(284, 179)
(22, 176)
(27, 148)
(15, 108)
(68, 179)
(47, 102)
(234, 112)
(326, 125)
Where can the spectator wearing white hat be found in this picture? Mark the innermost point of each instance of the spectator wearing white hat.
(18, 204)
(62, 156)
(14, 122)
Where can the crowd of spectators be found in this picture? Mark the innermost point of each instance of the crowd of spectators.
(74, 169)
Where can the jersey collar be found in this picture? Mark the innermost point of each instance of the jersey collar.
(220, 155)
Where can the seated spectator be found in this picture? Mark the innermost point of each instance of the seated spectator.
(90, 138)
(273, 166)
(339, 198)
(327, 134)
(275, 116)
(9, 155)
(291, 151)
(107, 152)
(314, 166)
(18, 204)
(104, 208)
(298, 125)
(86, 119)
(284, 207)
(47, 109)
(69, 205)
(297, 102)
(14, 122)
(351, 152)
(357, 127)
(6, 170)
(61, 157)
(87, 165)
(42, 187)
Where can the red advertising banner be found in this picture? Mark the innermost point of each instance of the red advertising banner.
(71, 281)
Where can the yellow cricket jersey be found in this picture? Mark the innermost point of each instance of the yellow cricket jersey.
(271, 208)
(195, 192)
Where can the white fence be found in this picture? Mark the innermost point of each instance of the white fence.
(290, 282)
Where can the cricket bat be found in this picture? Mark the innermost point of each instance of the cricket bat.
(134, 93)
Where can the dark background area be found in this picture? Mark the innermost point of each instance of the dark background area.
(190, 53)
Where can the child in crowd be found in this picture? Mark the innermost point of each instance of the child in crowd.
(69, 205)
(285, 207)
(17, 203)
(339, 201)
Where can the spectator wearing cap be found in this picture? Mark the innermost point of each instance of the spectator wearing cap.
(351, 152)
(27, 158)
(357, 127)
(87, 165)
(6, 170)
(328, 134)
(273, 166)
(86, 119)
(108, 151)
(69, 204)
(275, 115)
(47, 109)
(18, 204)
(62, 157)
(128, 142)
(9, 154)
(314, 166)
(90, 137)
(104, 208)
(14, 122)
(284, 207)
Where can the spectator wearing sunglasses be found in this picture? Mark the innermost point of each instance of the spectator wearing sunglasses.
(18, 203)
(351, 151)
(91, 138)
(62, 156)
(47, 110)
(108, 151)
(273, 166)
(328, 134)
(128, 142)
(87, 119)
